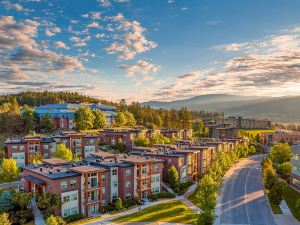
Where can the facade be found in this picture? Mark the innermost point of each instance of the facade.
(81, 144)
(20, 149)
(63, 115)
(177, 134)
(287, 137)
(112, 137)
(244, 123)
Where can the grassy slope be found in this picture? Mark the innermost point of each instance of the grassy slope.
(291, 196)
(192, 197)
(172, 211)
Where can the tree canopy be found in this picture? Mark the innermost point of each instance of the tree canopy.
(9, 170)
(63, 152)
(280, 153)
(84, 118)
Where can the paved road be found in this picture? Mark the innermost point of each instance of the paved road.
(242, 199)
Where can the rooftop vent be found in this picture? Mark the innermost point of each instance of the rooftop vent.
(35, 166)
(50, 172)
(58, 170)
(41, 169)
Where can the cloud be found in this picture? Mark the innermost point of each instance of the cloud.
(171, 1)
(52, 31)
(80, 41)
(189, 76)
(105, 3)
(100, 35)
(132, 42)
(141, 67)
(9, 5)
(49, 33)
(96, 15)
(270, 66)
(184, 8)
(60, 44)
(93, 25)
(13, 34)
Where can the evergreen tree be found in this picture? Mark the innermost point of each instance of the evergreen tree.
(118, 204)
(173, 177)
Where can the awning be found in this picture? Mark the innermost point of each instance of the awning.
(35, 180)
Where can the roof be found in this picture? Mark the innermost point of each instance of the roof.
(86, 169)
(35, 180)
(28, 139)
(56, 161)
(103, 154)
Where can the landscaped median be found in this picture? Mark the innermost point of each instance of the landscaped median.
(174, 211)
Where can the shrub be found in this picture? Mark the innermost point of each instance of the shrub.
(130, 202)
(118, 204)
(110, 207)
(73, 218)
(166, 195)
(276, 193)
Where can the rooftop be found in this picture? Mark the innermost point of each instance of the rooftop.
(56, 161)
(86, 169)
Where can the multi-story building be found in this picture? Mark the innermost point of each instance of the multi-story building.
(287, 137)
(86, 187)
(20, 149)
(81, 144)
(243, 123)
(295, 161)
(147, 172)
(112, 137)
(177, 134)
(63, 115)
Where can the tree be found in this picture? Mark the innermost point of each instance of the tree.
(5, 201)
(9, 170)
(55, 220)
(276, 193)
(270, 178)
(48, 202)
(21, 199)
(118, 204)
(63, 152)
(29, 119)
(173, 177)
(84, 118)
(46, 123)
(298, 204)
(142, 141)
(4, 219)
(284, 169)
(100, 119)
(206, 217)
(280, 153)
(35, 158)
(252, 150)
(130, 120)
(14, 106)
(207, 195)
(121, 119)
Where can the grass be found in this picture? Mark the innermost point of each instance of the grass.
(275, 208)
(256, 131)
(291, 196)
(30, 222)
(91, 131)
(193, 198)
(85, 221)
(171, 211)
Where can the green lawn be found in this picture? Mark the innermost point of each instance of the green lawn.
(172, 211)
(291, 196)
(193, 198)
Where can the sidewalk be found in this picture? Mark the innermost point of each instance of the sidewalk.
(38, 217)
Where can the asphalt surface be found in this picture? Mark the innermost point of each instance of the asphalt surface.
(243, 200)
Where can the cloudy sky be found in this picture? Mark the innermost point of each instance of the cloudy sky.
(150, 49)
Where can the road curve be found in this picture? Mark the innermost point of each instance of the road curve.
(242, 199)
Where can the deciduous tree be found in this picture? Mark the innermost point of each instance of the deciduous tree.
(100, 119)
(9, 170)
(63, 152)
(173, 177)
(280, 153)
(84, 118)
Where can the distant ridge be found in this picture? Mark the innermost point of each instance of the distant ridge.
(279, 109)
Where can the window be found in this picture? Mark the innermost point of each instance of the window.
(63, 185)
(103, 202)
(73, 183)
(115, 183)
(114, 172)
(14, 147)
(155, 190)
(21, 147)
(169, 160)
(66, 212)
(127, 172)
(103, 177)
(46, 147)
(128, 196)
(128, 184)
(73, 197)
(46, 155)
(115, 196)
(66, 198)
(74, 210)
(103, 190)
(144, 169)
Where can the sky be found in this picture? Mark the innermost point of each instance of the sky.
(141, 50)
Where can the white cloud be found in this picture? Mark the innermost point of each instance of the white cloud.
(93, 25)
(9, 5)
(60, 44)
(141, 67)
(105, 3)
(96, 15)
(184, 8)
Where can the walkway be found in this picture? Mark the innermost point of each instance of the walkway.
(286, 217)
(38, 217)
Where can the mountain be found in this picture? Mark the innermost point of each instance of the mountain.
(279, 109)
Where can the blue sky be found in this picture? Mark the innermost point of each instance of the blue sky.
(145, 50)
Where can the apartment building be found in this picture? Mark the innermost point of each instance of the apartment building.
(281, 136)
(20, 149)
(81, 144)
(243, 123)
(63, 115)
(112, 137)
(86, 187)
(177, 134)
(147, 172)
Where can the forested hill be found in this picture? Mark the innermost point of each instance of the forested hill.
(33, 98)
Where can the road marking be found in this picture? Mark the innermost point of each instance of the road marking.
(246, 195)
